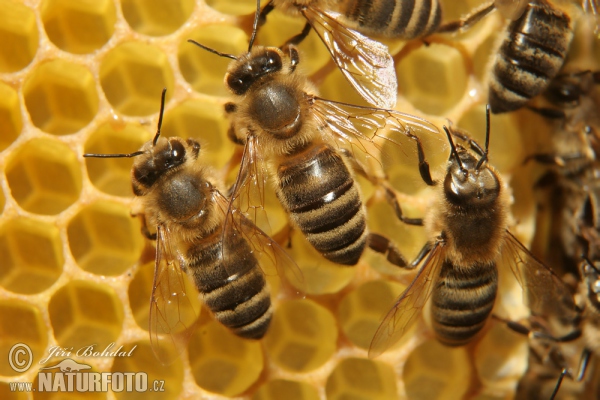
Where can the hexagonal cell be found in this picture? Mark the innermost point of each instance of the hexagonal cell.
(104, 238)
(321, 276)
(83, 313)
(222, 362)
(20, 322)
(506, 145)
(142, 359)
(233, 7)
(60, 97)
(26, 271)
(205, 71)
(156, 17)
(302, 335)
(18, 35)
(433, 78)
(203, 121)
(361, 379)
(433, 371)
(79, 27)
(360, 311)
(140, 290)
(133, 75)
(10, 115)
(44, 176)
(284, 389)
(113, 175)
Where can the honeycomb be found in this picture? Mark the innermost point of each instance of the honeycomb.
(85, 76)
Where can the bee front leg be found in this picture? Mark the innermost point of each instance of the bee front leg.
(385, 246)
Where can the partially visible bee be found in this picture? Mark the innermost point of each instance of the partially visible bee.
(573, 177)
(304, 143)
(531, 54)
(177, 196)
(366, 63)
(468, 227)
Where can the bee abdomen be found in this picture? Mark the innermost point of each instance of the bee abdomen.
(530, 56)
(319, 193)
(238, 297)
(462, 302)
(406, 19)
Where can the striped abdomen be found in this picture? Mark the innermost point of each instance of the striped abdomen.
(530, 56)
(319, 193)
(406, 19)
(239, 299)
(462, 302)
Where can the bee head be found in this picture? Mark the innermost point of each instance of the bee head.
(162, 157)
(250, 68)
(469, 180)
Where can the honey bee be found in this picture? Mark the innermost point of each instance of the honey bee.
(305, 143)
(571, 187)
(179, 198)
(469, 238)
(531, 54)
(365, 62)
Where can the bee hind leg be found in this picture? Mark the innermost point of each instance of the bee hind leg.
(383, 245)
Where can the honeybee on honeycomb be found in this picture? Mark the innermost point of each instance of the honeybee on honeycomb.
(180, 201)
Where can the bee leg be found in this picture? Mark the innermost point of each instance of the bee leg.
(524, 330)
(296, 40)
(390, 196)
(467, 21)
(552, 159)
(262, 18)
(383, 245)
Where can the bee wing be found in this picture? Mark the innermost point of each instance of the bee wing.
(172, 315)
(408, 305)
(544, 293)
(247, 196)
(369, 128)
(365, 63)
(267, 251)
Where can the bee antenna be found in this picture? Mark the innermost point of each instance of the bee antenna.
(212, 50)
(127, 155)
(254, 26)
(484, 158)
(453, 147)
(160, 115)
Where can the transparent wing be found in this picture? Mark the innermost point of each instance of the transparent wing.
(248, 193)
(544, 293)
(172, 313)
(409, 304)
(269, 254)
(375, 131)
(365, 63)
(511, 9)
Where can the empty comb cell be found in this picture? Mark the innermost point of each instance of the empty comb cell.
(84, 313)
(23, 270)
(79, 27)
(132, 75)
(18, 34)
(156, 17)
(44, 176)
(104, 239)
(60, 96)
